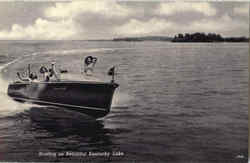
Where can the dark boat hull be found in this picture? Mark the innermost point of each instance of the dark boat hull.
(91, 98)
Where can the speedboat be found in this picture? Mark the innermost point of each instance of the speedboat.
(89, 97)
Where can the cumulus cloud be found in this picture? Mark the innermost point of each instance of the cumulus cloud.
(107, 8)
(181, 7)
(137, 27)
(95, 19)
(243, 10)
(66, 20)
(224, 25)
(41, 30)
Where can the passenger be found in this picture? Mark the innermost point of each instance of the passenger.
(53, 73)
(44, 71)
(50, 74)
(47, 76)
(22, 78)
(33, 77)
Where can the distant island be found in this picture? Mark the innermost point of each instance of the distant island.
(193, 37)
(145, 38)
(210, 37)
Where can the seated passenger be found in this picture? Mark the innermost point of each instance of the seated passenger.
(47, 76)
(52, 72)
(33, 77)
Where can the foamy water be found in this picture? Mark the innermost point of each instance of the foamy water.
(76, 51)
(8, 106)
(121, 99)
(2, 67)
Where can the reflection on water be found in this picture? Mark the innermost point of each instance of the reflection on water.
(61, 130)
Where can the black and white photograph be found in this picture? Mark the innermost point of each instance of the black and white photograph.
(124, 81)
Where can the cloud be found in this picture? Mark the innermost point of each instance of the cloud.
(224, 25)
(95, 19)
(182, 7)
(41, 30)
(107, 8)
(74, 20)
(243, 10)
(137, 27)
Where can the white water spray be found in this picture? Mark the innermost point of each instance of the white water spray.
(9, 107)
(121, 99)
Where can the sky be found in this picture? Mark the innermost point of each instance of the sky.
(108, 19)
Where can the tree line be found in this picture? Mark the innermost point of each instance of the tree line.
(210, 37)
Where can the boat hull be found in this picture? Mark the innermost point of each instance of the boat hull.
(91, 98)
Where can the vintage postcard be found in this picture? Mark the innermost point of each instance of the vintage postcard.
(124, 81)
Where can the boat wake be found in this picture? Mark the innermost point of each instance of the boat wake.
(2, 67)
(77, 51)
(121, 100)
(82, 51)
(8, 107)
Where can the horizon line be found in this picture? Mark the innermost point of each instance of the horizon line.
(112, 39)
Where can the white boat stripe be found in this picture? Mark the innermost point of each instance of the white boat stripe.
(91, 108)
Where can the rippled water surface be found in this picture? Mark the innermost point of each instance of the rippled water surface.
(176, 102)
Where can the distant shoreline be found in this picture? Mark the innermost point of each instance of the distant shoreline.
(146, 38)
(183, 38)
(192, 38)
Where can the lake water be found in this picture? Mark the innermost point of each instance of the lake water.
(177, 102)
